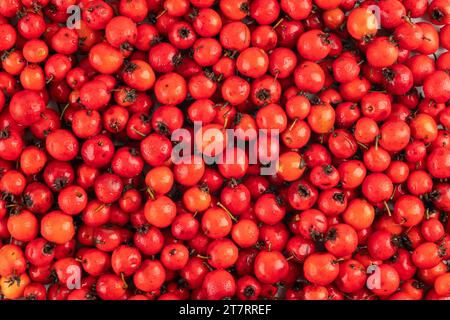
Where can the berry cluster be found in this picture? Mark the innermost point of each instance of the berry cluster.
(94, 205)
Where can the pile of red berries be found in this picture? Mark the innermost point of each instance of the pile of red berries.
(93, 205)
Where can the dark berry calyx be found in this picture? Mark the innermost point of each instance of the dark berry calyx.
(332, 234)
(130, 95)
(60, 183)
(129, 67)
(48, 248)
(303, 191)
(437, 14)
(388, 74)
(339, 197)
(263, 94)
(184, 32)
(328, 169)
(249, 291)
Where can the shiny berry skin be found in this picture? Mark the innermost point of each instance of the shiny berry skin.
(233, 149)
(270, 267)
(26, 107)
(218, 284)
(321, 268)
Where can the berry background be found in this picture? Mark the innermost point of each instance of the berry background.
(354, 95)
